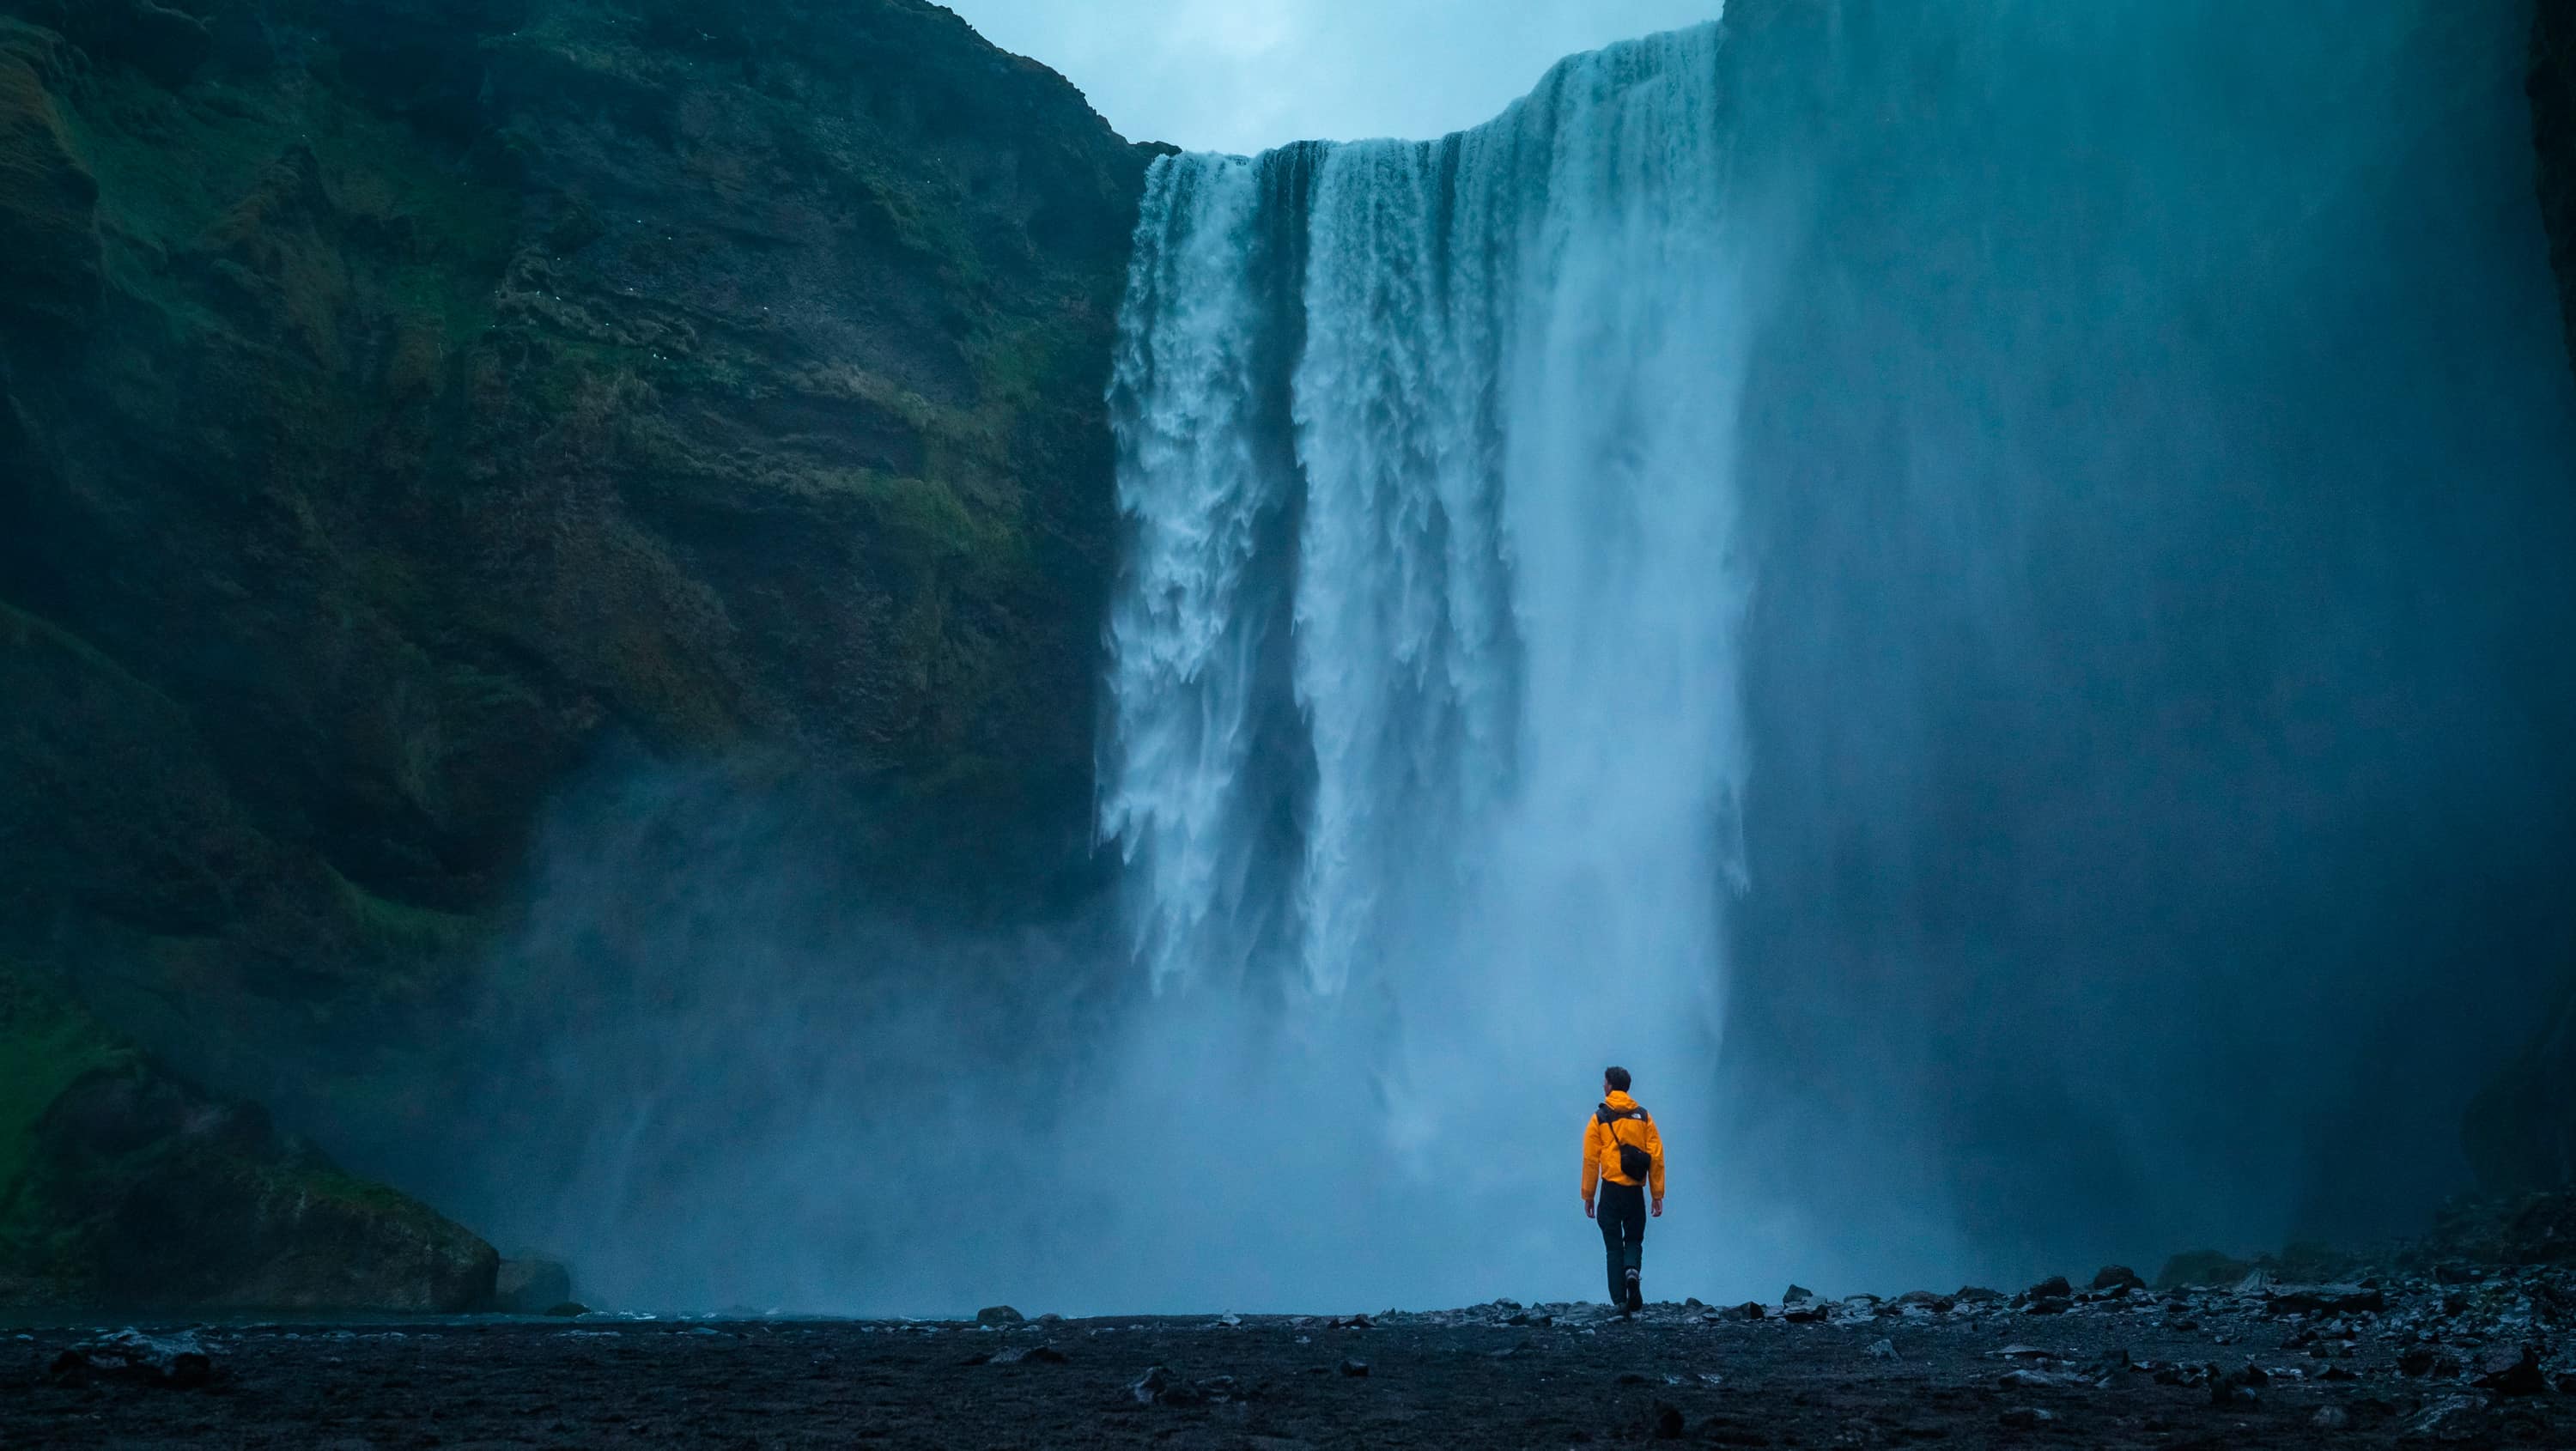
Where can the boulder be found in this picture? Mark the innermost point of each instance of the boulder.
(1797, 1295)
(180, 1361)
(530, 1284)
(2512, 1373)
(2117, 1277)
(1000, 1317)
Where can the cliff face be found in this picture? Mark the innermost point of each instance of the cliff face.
(2553, 114)
(402, 399)
(2520, 1132)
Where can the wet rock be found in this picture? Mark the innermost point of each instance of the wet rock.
(2117, 1277)
(2330, 1418)
(568, 1309)
(1751, 1310)
(2054, 1287)
(527, 1284)
(1797, 1295)
(1030, 1355)
(179, 1361)
(2026, 1418)
(1925, 1300)
(2428, 1360)
(1665, 1421)
(2513, 1373)
(1149, 1388)
(1355, 1368)
(2453, 1418)
(2230, 1392)
(1000, 1317)
(2256, 1282)
(1882, 1350)
(1806, 1315)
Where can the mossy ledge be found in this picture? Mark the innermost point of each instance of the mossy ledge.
(123, 1187)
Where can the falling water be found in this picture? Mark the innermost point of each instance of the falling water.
(1424, 666)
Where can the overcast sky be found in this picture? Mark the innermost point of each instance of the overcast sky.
(1244, 75)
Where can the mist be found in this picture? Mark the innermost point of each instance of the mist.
(1973, 591)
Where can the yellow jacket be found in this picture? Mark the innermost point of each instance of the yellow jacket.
(1601, 1146)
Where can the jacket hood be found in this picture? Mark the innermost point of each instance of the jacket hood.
(1620, 1101)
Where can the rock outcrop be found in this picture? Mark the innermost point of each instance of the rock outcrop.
(403, 401)
(121, 1186)
(2520, 1131)
(2553, 115)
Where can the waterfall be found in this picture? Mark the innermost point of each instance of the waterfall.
(1424, 678)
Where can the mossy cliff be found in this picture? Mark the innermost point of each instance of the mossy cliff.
(402, 400)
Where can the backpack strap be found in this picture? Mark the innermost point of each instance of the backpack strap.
(1609, 1117)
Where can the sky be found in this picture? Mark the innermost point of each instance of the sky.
(1247, 75)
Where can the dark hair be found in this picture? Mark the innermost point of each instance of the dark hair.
(1617, 1078)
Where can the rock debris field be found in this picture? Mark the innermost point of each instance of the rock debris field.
(2448, 1359)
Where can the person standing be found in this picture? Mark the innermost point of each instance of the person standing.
(1623, 1157)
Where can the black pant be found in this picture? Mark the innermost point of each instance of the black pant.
(1623, 1233)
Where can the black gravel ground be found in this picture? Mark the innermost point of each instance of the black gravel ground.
(2212, 1369)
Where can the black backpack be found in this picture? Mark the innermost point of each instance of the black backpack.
(1633, 1161)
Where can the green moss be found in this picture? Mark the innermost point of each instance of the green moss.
(398, 931)
(47, 1043)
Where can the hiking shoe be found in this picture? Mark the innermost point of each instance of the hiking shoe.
(1636, 1299)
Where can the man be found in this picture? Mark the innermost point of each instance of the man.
(1624, 1156)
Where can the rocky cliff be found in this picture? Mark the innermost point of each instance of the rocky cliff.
(2520, 1132)
(402, 401)
(2553, 111)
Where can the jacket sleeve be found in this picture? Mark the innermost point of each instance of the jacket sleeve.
(1591, 1159)
(1655, 1150)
